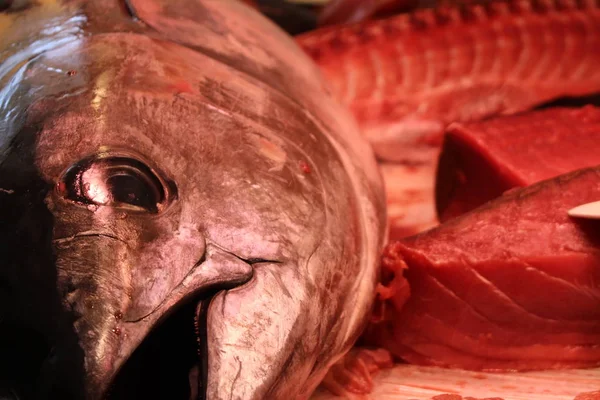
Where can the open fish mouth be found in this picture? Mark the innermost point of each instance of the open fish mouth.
(171, 362)
(23, 352)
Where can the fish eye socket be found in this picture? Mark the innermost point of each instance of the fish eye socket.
(115, 181)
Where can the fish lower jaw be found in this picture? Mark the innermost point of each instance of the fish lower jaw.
(171, 361)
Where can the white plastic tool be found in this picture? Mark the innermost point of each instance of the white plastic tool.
(588, 211)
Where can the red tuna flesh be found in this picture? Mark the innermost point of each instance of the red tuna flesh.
(405, 78)
(481, 160)
(513, 285)
(589, 396)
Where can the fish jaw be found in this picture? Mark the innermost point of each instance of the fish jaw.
(260, 334)
(110, 341)
(266, 340)
(261, 339)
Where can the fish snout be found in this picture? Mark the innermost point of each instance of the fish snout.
(152, 354)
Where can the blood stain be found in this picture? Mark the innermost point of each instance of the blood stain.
(305, 167)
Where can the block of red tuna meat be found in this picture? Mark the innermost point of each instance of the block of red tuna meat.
(512, 285)
(481, 160)
(589, 396)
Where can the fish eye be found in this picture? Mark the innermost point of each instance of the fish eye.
(115, 181)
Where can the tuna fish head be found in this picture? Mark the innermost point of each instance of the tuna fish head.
(180, 219)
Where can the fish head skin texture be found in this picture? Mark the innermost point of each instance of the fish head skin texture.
(184, 208)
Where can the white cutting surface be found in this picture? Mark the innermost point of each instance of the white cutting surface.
(408, 382)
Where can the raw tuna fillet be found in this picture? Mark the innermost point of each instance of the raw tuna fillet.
(405, 78)
(589, 396)
(512, 285)
(481, 160)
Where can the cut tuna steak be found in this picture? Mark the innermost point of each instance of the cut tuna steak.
(513, 285)
(589, 396)
(481, 160)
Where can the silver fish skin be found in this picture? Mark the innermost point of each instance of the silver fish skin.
(186, 211)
